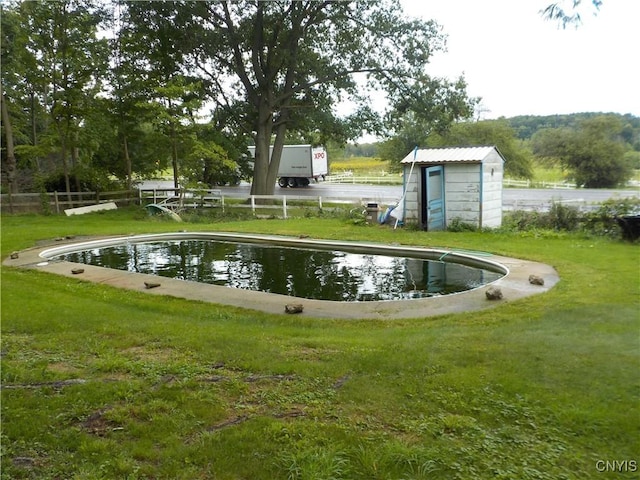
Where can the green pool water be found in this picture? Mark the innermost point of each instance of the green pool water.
(323, 274)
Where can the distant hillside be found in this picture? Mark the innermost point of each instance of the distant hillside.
(526, 125)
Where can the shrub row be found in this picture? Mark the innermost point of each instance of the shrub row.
(566, 218)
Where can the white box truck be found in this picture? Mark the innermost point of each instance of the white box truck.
(300, 164)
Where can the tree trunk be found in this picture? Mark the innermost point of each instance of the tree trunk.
(65, 169)
(10, 164)
(174, 156)
(267, 161)
(34, 131)
(261, 184)
(127, 162)
(64, 148)
(278, 146)
(74, 162)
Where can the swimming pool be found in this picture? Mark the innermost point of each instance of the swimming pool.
(514, 283)
(298, 271)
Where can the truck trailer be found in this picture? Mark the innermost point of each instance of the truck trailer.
(299, 164)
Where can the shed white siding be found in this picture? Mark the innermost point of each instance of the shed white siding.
(472, 184)
(412, 195)
(462, 192)
(492, 175)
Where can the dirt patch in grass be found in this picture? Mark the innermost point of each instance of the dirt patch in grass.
(55, 384)
(312, 353)
(229, 422)
(63, 367)
(97, 423)
(145, 353)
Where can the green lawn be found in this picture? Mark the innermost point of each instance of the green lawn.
(100, 383)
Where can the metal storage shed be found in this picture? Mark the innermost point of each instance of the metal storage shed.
(443, 184)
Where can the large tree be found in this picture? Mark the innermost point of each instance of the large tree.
(19, 93)
(154, 49)
(55, 61)
(594, 152)
(9, 166)
(490, 132)
(130, 93)
(278, 66)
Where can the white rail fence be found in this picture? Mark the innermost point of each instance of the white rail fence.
(179, 200)
(393, 179)
(509, 182)
(544, 205)
(260, 204)
(350, 178)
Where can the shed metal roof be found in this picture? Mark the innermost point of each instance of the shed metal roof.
(450, 154)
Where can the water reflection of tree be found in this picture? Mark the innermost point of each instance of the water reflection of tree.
(304, 273)
(197, 259)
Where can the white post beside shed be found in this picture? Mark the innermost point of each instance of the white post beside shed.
(463, 183)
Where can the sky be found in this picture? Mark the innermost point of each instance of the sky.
(522, 64)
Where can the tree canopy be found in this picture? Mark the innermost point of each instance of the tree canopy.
(52, 66)
(268, 71)
(278, 67)
(568, 12)
(100, 89)
(594, 151)
(490, 132)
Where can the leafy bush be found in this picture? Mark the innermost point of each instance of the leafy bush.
(84, 179)
(563, 218)
(602, 222)
(458, 225)
(522, 221)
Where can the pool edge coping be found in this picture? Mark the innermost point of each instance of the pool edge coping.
(514, 284)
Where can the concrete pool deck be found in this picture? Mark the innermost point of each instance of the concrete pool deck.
(514, 285)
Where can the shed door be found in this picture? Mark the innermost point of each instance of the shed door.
(433, 198)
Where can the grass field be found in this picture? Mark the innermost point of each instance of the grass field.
(550, 174)
(360, 166)
(100, 383)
